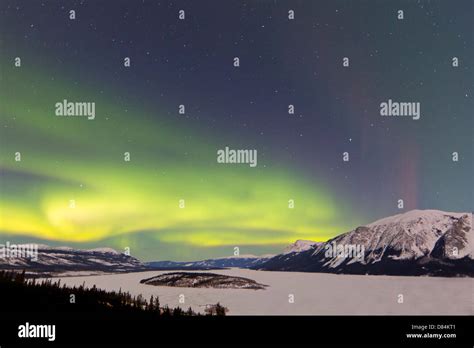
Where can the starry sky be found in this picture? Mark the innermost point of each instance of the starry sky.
(135, 204)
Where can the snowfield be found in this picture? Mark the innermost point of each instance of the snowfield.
(314, 293)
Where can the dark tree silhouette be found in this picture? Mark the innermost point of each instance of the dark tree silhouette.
(19, 294)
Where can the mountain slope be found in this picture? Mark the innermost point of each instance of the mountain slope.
(65, 259)
(299, 246)
(419, 242)
(243, 261)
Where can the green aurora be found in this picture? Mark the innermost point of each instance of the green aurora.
(136, 204)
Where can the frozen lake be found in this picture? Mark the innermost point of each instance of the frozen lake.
(313, 293)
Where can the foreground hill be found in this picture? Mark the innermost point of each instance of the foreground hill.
(48, 298)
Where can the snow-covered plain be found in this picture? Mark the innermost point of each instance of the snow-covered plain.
(314, 293)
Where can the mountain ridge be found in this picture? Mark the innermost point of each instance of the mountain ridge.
(418, 242)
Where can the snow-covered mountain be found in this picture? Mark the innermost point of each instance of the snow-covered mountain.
(419, 242)
(299, 246)
(242, 261)
(54, 260)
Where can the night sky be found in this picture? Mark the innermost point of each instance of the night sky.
(173, 156)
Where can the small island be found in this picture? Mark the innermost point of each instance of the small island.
(203, 280)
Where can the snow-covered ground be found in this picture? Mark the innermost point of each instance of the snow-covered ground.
(314, 293)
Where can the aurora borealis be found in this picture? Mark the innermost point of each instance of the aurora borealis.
(173, 157)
